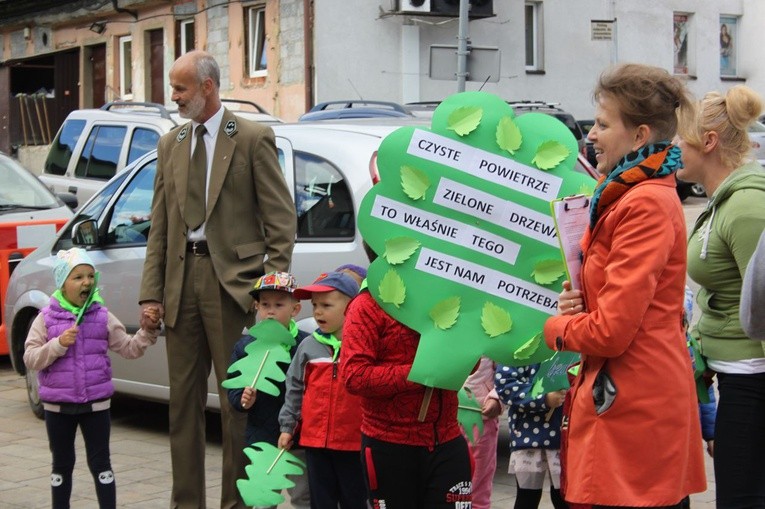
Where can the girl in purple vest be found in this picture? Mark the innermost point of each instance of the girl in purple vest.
(68, 345)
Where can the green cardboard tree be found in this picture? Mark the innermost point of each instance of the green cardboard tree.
(259, 368)
(461, 220)
(267, 475)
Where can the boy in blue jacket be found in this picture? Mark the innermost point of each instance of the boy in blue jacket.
(273, 294)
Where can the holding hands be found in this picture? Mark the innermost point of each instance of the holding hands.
(150, 316)
(570, 301)
(491, 408)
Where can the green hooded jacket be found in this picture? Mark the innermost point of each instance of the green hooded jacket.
(719, 248)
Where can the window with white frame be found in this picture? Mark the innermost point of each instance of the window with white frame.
(126, 67)
(186, 32)
(533, 26)
(257, 63)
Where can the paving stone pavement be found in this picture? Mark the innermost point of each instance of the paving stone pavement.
(141, 457)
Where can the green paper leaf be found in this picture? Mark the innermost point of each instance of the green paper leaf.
(446, 312)
(392, 289)
(267, 475)
(508, 135)
(528, 348)
(585, 189)
(400, 249)
(464, 120)
(469, 414)
(495, 320)
(538, 387)
(549, 155)
(552, 374)
(260, 365)
(548, 271)
(414, 182)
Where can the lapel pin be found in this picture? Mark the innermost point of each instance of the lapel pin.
(230, 128)
(182, 134)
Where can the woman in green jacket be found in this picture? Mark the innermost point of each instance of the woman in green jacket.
(716, 153)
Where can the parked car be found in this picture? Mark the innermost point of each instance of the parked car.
(93, 145)
(328, 165)
(23, 197)
(333, 110)
(29, 215)
(757, 137)
(425, 109)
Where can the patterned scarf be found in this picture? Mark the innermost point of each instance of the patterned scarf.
(651, 161)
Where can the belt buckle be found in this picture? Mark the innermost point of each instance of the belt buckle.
(194, 249)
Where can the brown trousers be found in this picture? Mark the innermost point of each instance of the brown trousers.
(209, 324)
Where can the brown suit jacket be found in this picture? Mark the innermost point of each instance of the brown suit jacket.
(250, 222)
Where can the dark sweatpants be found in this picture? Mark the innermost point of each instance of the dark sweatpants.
(334, 477)
(412, 477)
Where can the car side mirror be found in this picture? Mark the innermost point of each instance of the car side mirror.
(69, 199)
(85, 233)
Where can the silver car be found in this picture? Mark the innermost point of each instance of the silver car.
(329, 167)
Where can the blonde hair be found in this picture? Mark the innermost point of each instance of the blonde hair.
(646, 95)
(730, 117)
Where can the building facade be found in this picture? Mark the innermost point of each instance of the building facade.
(286, 55)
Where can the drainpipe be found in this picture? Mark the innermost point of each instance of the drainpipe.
(308, 51)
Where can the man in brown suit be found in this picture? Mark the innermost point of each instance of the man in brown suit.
(202, 273)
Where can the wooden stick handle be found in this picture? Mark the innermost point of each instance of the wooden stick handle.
(257, 375)
(281, 451)
(425, 404)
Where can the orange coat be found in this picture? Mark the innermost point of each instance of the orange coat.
(646, 449)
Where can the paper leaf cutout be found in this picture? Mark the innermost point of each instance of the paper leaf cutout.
(414, 182)
(446, 312)
(549, 155)
(538, 387)
(508, 135)
(548, 271)
(469, 415)
(552, 374)
(528, 348)
(392, 289)
(495, 320)
(267, 475)
(585, 190)
(400, 249)
(260, 365)
(464, 120)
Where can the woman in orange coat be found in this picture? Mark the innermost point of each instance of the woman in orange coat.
(632, 434)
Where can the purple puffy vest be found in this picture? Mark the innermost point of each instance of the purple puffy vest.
(84, 373)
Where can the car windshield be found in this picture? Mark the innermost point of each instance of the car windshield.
(21, 189)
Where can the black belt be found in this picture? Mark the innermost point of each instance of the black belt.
(198, 248)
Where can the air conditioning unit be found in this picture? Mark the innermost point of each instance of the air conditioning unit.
(414, 6)
(476, 8)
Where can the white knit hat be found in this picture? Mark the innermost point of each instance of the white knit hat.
(66, 261)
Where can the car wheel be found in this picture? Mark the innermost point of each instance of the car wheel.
(33, 387)
(33, 393)
(698, 190)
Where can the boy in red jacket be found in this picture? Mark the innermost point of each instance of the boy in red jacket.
(317, 401)
(410, 462)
